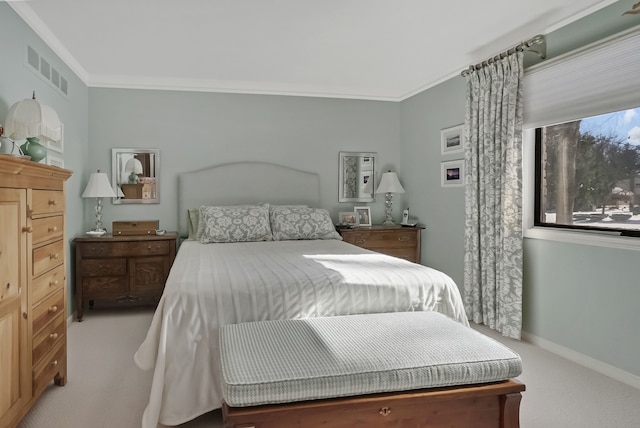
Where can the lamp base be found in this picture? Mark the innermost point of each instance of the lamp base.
(388, 223)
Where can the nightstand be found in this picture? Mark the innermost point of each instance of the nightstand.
(122, 268)
(398, 241)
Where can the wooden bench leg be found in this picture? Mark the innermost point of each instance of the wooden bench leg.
(510, 410)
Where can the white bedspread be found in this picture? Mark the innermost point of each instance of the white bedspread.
(217, 284)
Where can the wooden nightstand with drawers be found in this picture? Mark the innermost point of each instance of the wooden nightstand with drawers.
(123, 268)
(398, 241)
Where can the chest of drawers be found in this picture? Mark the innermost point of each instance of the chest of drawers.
(122, 268)
(398, 241)
(33, 328)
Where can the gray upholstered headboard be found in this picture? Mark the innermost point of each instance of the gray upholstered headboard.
(245, 183)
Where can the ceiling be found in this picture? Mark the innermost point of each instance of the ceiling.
(361, 49)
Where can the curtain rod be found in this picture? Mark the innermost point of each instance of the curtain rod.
(527, 45)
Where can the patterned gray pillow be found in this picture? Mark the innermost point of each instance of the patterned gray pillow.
(234, 224)
(290, 223)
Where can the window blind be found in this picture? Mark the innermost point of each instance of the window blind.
(599, 78)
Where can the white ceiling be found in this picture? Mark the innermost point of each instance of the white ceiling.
(363, 49)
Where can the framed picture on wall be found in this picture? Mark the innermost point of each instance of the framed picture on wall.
(451, 140)
(57, 146)
(363, 216)
(452, 173)
(54, 160)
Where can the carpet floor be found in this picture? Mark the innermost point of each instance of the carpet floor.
(106, 389)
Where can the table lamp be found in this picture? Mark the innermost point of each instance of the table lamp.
(389, 184)
(31, 118)
(98, 187)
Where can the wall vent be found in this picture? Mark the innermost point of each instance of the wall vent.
(42, 67)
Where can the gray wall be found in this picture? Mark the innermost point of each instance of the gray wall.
(440, 209)
(579, 297)
(17, 81)
(194, 130)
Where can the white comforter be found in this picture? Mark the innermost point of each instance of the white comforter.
(217, 284)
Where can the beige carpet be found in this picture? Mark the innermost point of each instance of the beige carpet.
(106, 389)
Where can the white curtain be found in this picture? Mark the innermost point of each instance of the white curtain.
(493, 195)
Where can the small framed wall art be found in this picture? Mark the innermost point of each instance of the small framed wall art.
(54, 160)
(452, 173)
(451, 140)
(57, 146)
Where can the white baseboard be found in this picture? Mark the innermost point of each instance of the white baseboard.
(584, 360)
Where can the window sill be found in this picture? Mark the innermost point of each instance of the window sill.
(598, 239)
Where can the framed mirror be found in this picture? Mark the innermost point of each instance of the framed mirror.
(135, 176)
(357, 172)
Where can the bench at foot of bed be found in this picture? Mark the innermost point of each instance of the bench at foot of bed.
(495, 405)
(406, 369)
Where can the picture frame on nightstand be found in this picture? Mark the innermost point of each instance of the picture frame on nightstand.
(347, 218)
(363, 216)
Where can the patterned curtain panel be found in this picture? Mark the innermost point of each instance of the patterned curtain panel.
(493, 196)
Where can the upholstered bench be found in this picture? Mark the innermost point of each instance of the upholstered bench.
(418, 369)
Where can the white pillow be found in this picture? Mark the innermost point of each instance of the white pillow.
(234, 224)
(291, 223)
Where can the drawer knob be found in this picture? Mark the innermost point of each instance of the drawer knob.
(360, 241)
(53, 336)
(403, 238)
(27, 229)
(385, 411)
(54, 363)
(54, 256)
(53, 229)
(53, 202)
(53, 309)
(54, 282)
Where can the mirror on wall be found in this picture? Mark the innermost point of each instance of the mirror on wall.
(134, 175)
(357, 177)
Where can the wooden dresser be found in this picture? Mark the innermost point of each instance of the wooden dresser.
(33, 292)
(398, 241)
(122, 268)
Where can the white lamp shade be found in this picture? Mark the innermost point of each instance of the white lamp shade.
(98, 187)
(133, 165)
(390, 184)
(30, 118)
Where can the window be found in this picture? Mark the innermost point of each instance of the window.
(587, 173)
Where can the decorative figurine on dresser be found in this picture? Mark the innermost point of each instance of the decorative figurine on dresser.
(33, 291)
(123, 268)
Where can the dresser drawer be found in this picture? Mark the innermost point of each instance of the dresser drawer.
(392, 240)
(50, 364)
(47, 202)
(52, 334)
(103, 267)
(400, 252)
(381, 239)
(47, 229)
(105, 287)
(47, 257)
(47, 310)
(48, 283)
(125, 248)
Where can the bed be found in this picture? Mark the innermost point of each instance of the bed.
(214, 284)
